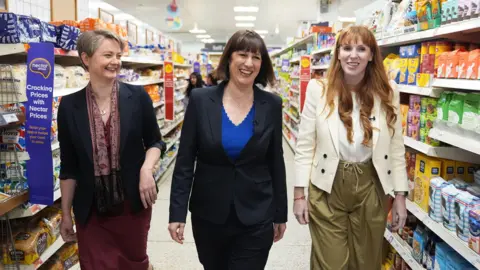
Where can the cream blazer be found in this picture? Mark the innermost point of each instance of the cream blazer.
(317, 151)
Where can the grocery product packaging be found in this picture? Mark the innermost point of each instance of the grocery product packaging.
(442, 65)
(448, 169)
(410, 158)
(48, 32)
(443, 104)
(426, 168)
(441, 47)
(464, 202)
(435, 201)
(455, 108)
(13, 139)
(473, 65)
(67, 37)
(413, 70)
(449, 195)
(9, 28)
(64, 258)
(462, 65)
(29, 29)
(471, 113)
(474, 225)
(453, 63)
(404, 113)
(29, 244)
(403, 66)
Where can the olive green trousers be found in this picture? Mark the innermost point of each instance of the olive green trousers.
(347, 225)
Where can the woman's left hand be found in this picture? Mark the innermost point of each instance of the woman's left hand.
(278, 231)
(147, 186)
(399, 212)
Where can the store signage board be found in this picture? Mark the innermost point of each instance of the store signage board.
(40, 72)
(215, 47)
(304, 78)
(285, 65)
(196, 67)
(169, 91)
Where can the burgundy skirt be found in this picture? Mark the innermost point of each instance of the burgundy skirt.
(116, 243)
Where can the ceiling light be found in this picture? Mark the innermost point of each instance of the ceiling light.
(261, 31)
(346, 19)
(203, 36)
(245, 9)
(277, 30)
(245, 18)
(244, 25)
(208, 40)
(195, 30)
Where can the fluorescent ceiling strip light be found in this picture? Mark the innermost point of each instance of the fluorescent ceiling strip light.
(245, 18)
(261, 31)
(245, 9)
(203, 36)
(198, 31)
(244, 25)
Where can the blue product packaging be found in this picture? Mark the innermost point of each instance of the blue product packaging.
(403, 51)
(8, 28)
(49, 33)
(456, 262)
(414, 50)
(67, 37)
(441, 253)
(29, 29)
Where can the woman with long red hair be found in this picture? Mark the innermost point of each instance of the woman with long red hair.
(350, 156)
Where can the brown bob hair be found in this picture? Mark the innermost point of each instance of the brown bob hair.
(247, 41)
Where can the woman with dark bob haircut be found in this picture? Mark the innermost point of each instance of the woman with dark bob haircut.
(238, 193)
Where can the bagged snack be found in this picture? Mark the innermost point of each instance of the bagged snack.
(49, 32)
(60, 80)
(51, 219)
(435, 202)
(471, 114)
(443, 104)
(29, 244)
(464, 202)
(29, 29)
(67, 37)
(449, 194)
(9, 28)
(13, 139)
(455, 109)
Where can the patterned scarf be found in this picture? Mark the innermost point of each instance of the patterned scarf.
(109, 192)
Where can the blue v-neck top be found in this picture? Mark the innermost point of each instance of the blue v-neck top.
(234, 138)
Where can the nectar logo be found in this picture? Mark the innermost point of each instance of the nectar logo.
(41, 66)
(305, 62)
(168, 68)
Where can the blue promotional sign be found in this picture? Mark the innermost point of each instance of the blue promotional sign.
(40, 74)
(285, 65)
(209, 68)
(196, 67)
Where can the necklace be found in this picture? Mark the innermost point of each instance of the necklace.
(103, 112)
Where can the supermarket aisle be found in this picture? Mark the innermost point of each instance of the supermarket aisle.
(293, 252)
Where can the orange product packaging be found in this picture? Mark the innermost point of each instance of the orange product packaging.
(90, 24)
(473, 65)
(441, 47)
(442, 65)
(453, 62)
(462, 65)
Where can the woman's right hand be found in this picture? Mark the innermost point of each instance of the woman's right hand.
(176, 230)
(66, 229)
(300, 210)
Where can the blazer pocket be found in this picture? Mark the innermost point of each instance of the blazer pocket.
(313, 173)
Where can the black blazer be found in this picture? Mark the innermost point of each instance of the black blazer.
(139, 132)
(255, 183)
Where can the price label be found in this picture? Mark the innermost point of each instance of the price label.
(10, 118)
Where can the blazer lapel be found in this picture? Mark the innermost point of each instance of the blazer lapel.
(83, 124)
(126, 111)
(333, 122)
(376, 121)
(214, 112)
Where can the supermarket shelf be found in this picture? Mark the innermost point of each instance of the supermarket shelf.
(182, 76)
(13, 202)
(296, 120)
(180, 97)
(181, 87)
(8, 49)
(300, 42)
(445, 152)
(321, 67)
(470, 26)
(473, 85)
(9, 156)
(147, 82)
(294, 104)
(165, 131)
(142, 60)
(55, 146)
(423, 91)
(295, 60)
(20, 212)
(402, 249)
(172, 143)
(66, 91)
(448, 236)
(158, 104)
(292, 146)
(170, 162)
(291, 129)
(295, 77)
(296, 91)
(322, 50)
(182, 65)
(470, 146)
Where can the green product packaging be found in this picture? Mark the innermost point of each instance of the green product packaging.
(423, 119)
(442, 105)
(455, 109)
(471, 114)
(423, 134)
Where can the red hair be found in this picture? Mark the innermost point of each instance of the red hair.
(374, 83)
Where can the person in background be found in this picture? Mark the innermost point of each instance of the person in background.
(211, 80)
(109, 143)
(194, 81)
(238, 189)
(350, 155)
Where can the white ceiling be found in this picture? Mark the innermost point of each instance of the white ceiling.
(217, 16)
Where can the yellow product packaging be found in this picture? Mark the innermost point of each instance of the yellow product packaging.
(29, 244)
(64, 258)
(470, 173)
(403, 66)
(391, 66)
(461, 170)
(422, 14)
(425, 169)
(51, 219)
(448, 169)
(413, 69)
(404, 112)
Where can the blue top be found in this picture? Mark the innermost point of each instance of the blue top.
(234, 138)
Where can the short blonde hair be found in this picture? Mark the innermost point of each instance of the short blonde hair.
(89, 41)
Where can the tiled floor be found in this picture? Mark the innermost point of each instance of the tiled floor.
(292, 252)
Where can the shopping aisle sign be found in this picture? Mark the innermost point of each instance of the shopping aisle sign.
(169, 91)
(304, 78)
(196, 67)
(40, 72)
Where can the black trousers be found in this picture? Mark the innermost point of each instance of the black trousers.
(232, 246)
